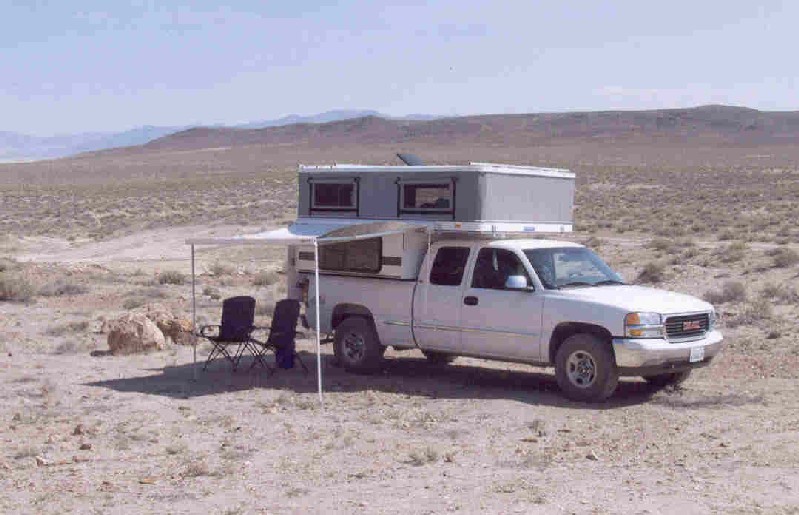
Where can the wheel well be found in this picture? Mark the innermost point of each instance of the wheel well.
(566, 329)
(343, 311)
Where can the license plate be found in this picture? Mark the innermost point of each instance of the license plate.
(697, 354)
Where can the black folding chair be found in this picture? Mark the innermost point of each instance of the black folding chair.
(238, 316)
(281, 339)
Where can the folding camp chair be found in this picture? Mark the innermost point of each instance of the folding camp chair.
(238, 316)
(280, 341)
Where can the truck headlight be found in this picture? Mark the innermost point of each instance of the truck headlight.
(711, 320)
(643, 325)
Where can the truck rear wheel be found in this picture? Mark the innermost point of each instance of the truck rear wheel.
(586, 369)
(357, 347)
(671, 379)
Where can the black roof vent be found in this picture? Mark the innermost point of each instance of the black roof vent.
(410, 159)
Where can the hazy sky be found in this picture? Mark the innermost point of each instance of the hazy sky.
(69, 66)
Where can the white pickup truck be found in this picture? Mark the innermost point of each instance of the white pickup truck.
(541, 302)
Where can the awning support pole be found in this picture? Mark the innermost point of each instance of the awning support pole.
(193, 315)
(318, 325)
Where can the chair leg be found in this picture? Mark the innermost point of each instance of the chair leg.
(302, 363)
(259, 357)
(213, 354)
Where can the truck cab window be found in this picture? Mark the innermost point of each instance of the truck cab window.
(449, 265)
(494, 266)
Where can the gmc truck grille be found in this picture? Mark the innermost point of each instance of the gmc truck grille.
(685, 326)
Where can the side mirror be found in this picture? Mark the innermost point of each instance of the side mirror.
(516, 282)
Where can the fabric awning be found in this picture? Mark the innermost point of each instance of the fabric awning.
(307, 233)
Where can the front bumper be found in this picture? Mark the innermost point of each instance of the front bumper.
(636, 356)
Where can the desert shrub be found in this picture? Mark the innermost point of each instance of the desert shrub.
(221, 269)
(777, 293)
(731, 291)
(60, 287)
(652, 273)
(265, 278)
(7, 264)
(134, 302)
(15, 288)
(264, 309)
(69, 327)
(727, 235)
(213, 293)
(784, 257)
(735, 251)
(661, 244)
(171, 277)
(753, 312)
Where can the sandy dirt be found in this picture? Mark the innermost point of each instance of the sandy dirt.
(84, 432)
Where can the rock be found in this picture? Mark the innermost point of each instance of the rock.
(592, 456)
(85, 447)
(41, 462)
(78, 430)
(134, 333)
(175, 328)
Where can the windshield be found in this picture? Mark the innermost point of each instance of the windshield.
(570, 267)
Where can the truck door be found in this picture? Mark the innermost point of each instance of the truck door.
(497, 321)
(436, 320)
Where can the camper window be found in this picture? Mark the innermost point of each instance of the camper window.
(426, 197)
(363, 256)
(334, 196)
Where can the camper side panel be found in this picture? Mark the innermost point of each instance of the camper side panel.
(520, 198)
(389, 303)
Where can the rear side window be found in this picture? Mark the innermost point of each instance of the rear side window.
(352, 256)
(449, 265)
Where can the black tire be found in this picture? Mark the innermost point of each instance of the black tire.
(585, 368)
(671, 379)
(357, 347)
(438, 358)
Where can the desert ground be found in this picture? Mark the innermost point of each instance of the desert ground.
(85, 240)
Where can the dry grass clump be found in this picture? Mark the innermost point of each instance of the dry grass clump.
(733, 252)
(652, 273)
(212, 293)
(427, 455)
(70, 327)
(134, 302)
(265, 278)
(219, 269)
(15, 287)
(8, 264)
(784, 257)
(779, 294)
(60, 288)
(172, 277)
(757, 310)
(731, 291)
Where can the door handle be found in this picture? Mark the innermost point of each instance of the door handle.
(470, 300)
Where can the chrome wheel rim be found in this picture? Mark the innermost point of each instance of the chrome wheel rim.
(581, 369)
(354, 347)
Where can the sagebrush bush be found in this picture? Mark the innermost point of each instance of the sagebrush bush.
(733, 252)
(171, 277)
(731, 291)
(265, 278)
(15, 288)
(784, 257)
(753, 312)
(652, 273)
(60, 287)
(218, 269)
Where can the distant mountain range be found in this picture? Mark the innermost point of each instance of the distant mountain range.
(22, 147)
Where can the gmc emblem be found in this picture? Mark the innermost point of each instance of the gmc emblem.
(691, 325)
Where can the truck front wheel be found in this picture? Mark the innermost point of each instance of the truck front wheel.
(357, 347)
(586, 369)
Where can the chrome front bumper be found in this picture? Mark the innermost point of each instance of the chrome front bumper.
(646, 353)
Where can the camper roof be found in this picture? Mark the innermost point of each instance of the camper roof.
(471, 167)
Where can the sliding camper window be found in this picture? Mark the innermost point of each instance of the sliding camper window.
(331, 195)
(364, 256)
(427, 197)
